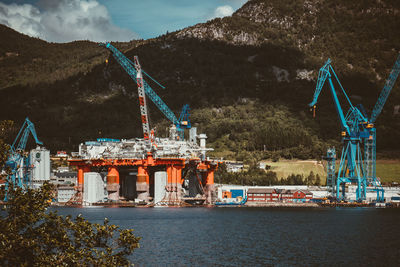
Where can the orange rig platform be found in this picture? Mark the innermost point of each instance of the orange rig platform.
(172, 173)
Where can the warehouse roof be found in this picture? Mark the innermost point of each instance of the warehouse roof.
(261, 191)
(307, 192)
(288, 191)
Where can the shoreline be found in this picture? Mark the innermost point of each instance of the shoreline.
(247, 205)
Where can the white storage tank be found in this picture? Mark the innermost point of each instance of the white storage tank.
(160, 181)
(93, 188)
(39, 159)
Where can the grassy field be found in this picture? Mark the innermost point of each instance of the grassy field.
(284, 168)
(387, 170)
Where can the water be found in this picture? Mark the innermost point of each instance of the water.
(258, 236)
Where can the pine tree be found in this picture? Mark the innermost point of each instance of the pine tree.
(318, 180)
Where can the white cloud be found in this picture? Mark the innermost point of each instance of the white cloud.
(223, 11)
(64, 21)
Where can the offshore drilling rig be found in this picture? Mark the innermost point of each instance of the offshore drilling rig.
(148, 170)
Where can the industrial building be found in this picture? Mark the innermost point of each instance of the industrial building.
(233, 166)
(65, 193)
(293, 193)
(64, 178)
(260, 195)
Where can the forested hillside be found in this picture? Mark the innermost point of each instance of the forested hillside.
(26, 61)
(248, 78)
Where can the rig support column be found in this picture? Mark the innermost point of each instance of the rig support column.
(178, 184)
(174, 184)
(170, 188)
(207, 170)
(81, 173)
(207, 175)
(113, 184)
(142, 184)
(210, 187)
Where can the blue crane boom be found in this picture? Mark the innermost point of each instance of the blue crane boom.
(386, 90)
(27, 127)
(128, 66)
(326, 73)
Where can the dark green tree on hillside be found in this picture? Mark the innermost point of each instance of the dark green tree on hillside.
(4, 147)
(318, 180)
(30, 235)
(310, 179)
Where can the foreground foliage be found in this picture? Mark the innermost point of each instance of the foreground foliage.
(32, 236)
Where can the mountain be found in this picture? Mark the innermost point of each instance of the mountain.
(248, 78)
(361, 35)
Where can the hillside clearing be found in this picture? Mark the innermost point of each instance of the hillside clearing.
(387, 170)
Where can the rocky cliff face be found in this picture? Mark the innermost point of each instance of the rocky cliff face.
(257, 22)
(359, 34)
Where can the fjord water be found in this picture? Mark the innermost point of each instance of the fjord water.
(257, 236)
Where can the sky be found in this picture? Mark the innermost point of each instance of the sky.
(109, 20)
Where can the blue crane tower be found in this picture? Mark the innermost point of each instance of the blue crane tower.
(356, 166)
(183, 122)
(370, 143)
(17, 162)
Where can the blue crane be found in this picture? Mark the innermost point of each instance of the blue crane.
(183, 122)
(357, 129)
(17, 162)
(354, 131)
(370, 143)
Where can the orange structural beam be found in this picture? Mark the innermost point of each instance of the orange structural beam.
(178, 169)
(150, 161)
(176, 174)
(169, 175)
(80, 175)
